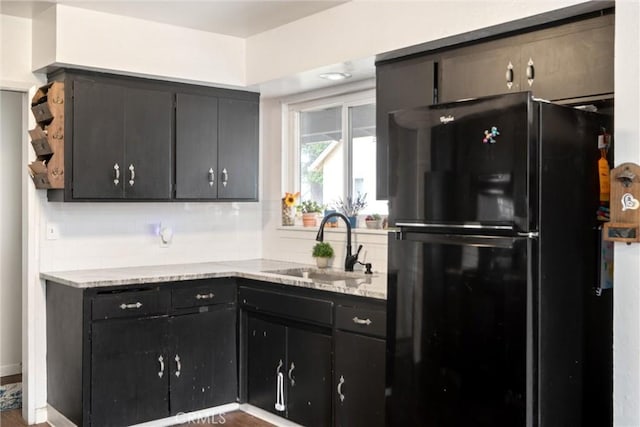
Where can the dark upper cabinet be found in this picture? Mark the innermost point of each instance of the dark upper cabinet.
(216, 148)
(196, 146)
(124, 132)
(565, 62)
(122, 142)
(401, 84)
(237, 149)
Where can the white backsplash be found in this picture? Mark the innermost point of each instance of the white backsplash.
(103, 235)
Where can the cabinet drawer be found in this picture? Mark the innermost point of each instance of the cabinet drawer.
(203, 292)
(366, 321)
(289, 306)
(128, 304)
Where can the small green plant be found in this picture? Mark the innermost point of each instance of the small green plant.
(311, 206)
(373, 217)
(322, 250)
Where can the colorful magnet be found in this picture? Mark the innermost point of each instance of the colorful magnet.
(490, 136)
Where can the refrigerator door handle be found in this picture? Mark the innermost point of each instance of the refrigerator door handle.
(485, 241)
(454, 226)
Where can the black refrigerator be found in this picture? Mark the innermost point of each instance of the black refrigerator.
(491, 265)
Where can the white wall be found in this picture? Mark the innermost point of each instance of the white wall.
(626, 320)
(11, 106)
(106, 42)
(364, 28)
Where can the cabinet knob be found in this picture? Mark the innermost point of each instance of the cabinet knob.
(116, 174)
(212, 177)
(205, 296)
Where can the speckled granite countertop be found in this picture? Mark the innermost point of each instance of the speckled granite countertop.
(371, 286)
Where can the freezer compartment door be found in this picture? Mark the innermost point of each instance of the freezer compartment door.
(457, 332)
(465, 163)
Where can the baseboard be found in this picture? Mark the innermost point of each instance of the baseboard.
(56, 419)
(204, 416)
(12, 369)
(267, 416)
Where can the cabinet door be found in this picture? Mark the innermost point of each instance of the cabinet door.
(480, 71)
(238, 149)
(148, 125)
(196, 147)
(402, 84)
(570, 66)
(203, 360)
(308, 377)
(359, 380)
(129, 371)
(98, 140)
(266, 360)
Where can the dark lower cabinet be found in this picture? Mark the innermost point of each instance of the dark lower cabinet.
(202, 360)
(129, 364)
(130, 354)
(289, 372)
(360, 380)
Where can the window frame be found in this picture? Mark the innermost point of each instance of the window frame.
(291, 133)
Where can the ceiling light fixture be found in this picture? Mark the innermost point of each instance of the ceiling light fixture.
(335, 76)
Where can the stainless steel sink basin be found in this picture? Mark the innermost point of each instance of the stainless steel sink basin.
(325, 276)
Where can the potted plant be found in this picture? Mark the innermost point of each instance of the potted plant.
(310, 210)
(351, 206)
(322, 252)
(373, 221)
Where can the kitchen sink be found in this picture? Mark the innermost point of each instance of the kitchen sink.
(325, 276)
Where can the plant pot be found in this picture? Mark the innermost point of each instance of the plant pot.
(322, 262)
(353, 220)
(375, 224)
(310, 219)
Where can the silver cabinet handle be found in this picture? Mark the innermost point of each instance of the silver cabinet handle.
(133, 175)
(279, 406)
(178, 365)
(116, 174)
(205, 296)
(212, 177)
(359, 321)
(225, 177)
(161, 360)
(530, 72)
(291, 379)
(129, 306)
(509, 75)
(340, 388)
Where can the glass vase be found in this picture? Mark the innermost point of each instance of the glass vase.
(288, 214)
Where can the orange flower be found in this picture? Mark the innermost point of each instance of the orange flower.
(290, 198)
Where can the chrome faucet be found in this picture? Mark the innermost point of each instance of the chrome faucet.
(350, 259)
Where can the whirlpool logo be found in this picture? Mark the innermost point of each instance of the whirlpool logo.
(446, 119)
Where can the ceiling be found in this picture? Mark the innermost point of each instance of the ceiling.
(239, 18)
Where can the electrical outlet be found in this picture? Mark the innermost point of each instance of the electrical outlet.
(53, 233)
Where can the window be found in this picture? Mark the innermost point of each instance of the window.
(333, 150)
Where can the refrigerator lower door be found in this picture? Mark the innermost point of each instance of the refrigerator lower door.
(458, 321)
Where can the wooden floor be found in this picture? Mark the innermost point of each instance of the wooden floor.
(13, 418)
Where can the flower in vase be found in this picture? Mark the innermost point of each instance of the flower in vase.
(290, 199)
